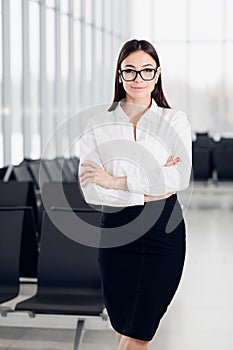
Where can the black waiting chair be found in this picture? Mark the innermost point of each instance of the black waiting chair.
(202, 157)
(39, 173)
(14, 193)
(21, 173)
(202, 170)
(52, 169)
(29, 242)
(68, 195)
(3, 172)
(64, 167)
(74, 165)
(68, 279)
(222, 157)
(11, 222)
(20, 195)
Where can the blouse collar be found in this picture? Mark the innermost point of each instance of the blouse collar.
(123, 116)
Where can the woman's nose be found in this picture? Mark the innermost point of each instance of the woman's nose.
(138, 77)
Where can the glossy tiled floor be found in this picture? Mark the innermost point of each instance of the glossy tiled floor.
(200, 316)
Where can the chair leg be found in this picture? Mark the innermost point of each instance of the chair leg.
(78, 334)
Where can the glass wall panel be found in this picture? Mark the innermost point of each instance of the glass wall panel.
(206, 86)
(88, 73)
(173, 61)
(77, 8)
(16, 79)
(99, 67)
(64, 62)
(107, 17)
(206, 19)
(34, 59)
(98, 15)
(65, 5)
(50, 66)
(1, 135)
(229, 20)
(64, 78)
(88, 11)
(169, 19)
(229, 87)
(138, 13)
(108, 71)
(77, 63)
(50, 3)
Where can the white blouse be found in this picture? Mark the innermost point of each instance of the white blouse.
(109, 141)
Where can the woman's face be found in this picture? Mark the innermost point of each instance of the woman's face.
(139, 88)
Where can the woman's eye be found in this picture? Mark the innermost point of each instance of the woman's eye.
(148, 70)
(129, 71)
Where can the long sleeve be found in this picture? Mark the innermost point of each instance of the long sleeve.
(157, 179)
(95, 194)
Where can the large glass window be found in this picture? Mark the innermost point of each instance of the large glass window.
(229, 87)
(229, 20)
(194, 43)
(173, 62)
(64, 64)
(88, 11)
(169, 20)
(98, 15)
(206, 86)
(77, 63)
(64, 78)
(16, 79)
(1, 133)
(206, 19)
(77, 8)
(34, 59)
(50, 67)
(50, 3)
(64, 6)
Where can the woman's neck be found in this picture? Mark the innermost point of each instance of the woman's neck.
(135, 108)
(144, 102)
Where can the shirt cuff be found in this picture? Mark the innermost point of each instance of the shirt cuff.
(138, 184)
(137, 199)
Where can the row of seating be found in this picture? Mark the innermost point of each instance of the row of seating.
(40, 171)
(211, 159)
(67, 272)
(21, 196)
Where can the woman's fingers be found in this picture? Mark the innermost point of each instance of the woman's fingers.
(88, 181)
(171, 161)
(87, 175)
(91, 171)
(89, 163)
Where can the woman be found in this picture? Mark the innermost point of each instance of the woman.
(140, 269)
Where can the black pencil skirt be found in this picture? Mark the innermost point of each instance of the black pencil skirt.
(140, 278)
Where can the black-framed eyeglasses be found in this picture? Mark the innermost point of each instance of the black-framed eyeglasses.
(131, 74)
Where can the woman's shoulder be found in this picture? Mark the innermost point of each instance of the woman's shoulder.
(174, 115)
(100, 118)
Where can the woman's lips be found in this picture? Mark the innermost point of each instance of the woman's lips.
(137, 88)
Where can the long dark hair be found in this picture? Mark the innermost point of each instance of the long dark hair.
(129, 47)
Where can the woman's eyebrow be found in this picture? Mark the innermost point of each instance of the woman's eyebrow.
(144, 65)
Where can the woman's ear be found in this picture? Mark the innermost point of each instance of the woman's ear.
(158, 72)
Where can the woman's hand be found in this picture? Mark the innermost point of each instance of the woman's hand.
(148, 198)
(170, 162)
(96, 174)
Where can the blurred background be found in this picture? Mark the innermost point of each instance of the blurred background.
(58, 58)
